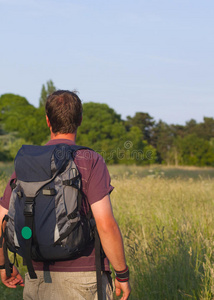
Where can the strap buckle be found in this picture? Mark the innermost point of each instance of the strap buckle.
(28, 209)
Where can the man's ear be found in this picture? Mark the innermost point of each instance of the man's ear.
(48, 122)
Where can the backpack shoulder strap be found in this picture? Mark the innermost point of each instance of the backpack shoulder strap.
(97, 241)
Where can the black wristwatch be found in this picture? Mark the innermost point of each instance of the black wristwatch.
(122, 276)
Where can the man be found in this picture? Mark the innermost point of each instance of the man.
(75, 278)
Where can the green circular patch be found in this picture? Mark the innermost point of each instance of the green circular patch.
(26, 233)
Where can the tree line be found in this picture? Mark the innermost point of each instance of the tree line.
(137, 140)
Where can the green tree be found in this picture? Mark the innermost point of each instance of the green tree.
(177, 130)
(138, 151)
(206, 129)
(14, 112)
(4, 152)
(46, 91)
(23, 119)
(143, 121)
(194, 151)
(162, 141)
(102, 130)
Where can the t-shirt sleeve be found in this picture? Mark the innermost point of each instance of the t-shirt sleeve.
(5, 200)
(99, 182)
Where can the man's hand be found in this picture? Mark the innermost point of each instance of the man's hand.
(12, 281)
(125, 287)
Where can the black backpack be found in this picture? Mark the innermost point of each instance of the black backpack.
(44, 221)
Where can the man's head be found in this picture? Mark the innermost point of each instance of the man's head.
(64, 111)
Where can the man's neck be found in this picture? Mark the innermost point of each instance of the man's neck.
(67, 136)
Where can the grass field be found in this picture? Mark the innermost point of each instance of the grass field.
(166, 218)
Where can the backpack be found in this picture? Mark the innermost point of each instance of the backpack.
(44, 221)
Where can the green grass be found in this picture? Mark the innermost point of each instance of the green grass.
(168, 230)
(166, 218)
(6, 169)
(159, 171)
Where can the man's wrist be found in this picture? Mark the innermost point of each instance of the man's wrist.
(122, 276)
(3, 267)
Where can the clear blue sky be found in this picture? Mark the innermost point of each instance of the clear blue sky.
(154, 56)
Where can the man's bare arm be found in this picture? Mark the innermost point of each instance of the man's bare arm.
(111, 240)
(15, 278)
(3, 212)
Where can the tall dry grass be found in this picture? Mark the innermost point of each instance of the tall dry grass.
(166, 218)
(168, 230)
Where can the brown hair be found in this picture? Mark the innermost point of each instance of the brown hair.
(64, 111)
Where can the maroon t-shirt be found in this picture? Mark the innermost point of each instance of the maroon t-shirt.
(95, 185)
